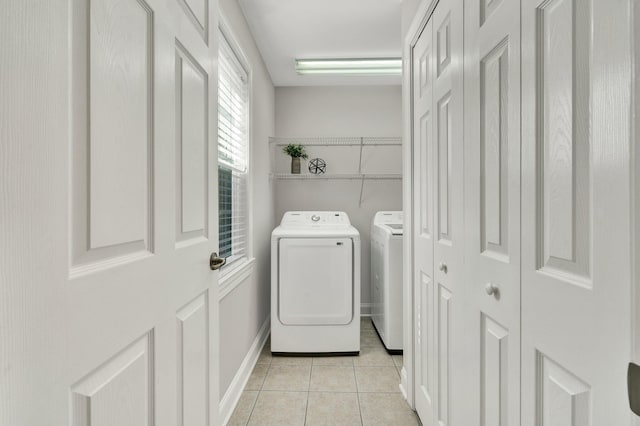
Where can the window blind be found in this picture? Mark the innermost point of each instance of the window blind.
(233, 107)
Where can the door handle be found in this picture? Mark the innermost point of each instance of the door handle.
(491, 289)
(443, 267)
(633, 384)
(216, 262)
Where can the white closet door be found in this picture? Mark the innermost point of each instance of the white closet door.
(438, 217)
(108, 303)
(449, 237)
(423, 201)
(575, 212)
(492, 212)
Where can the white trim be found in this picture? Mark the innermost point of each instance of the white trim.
(232, 395)
(421, 17)
(365, 309)
(635, 187)
(403, 382)
(234, 277)
(225, 29)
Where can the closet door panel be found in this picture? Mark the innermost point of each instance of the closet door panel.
(494, 373)
(444, 168)
(448, 165)
(492, 213)
(575, 212)
(423, 58)
(494, 151)
(438, 224)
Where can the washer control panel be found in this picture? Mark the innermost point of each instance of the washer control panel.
(392, 220)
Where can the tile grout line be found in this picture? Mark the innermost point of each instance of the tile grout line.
(357, 391)
(259, 390)
(306, 408)
(253, 406)
(261, 384)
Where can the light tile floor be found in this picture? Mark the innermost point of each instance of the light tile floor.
(346, 390)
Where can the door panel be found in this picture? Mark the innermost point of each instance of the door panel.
(494, 152)
(575, 212)
(426, 362)
(191, 147)
(492, 213)
(198, 9)
(443, 40)
(444, 171)
(564, 399)
(448, 247)
(423, 75)
(494, 358)
(128, 376)
(120, 70)
(193, 332)
(437, 118)
(112, 321)
(198, 12)
(564, 195)
(111, 123)
(444, 354)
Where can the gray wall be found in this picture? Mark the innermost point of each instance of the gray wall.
(341, 111)
(244, 310)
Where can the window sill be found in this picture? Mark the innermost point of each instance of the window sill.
(235, 276)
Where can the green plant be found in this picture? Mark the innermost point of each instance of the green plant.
(295, 151)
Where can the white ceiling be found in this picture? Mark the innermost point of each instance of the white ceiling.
(288, 29)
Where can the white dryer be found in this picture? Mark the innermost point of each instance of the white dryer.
(315, 284)
(386, 278)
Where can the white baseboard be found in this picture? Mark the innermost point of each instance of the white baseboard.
(403, 382)
(365, 309)
(232, 395)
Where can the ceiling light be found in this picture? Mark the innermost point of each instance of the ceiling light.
(379, 66)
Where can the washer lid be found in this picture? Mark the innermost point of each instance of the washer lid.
(396, 228)
(391, 221)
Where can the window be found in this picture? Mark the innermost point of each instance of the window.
(233, 126)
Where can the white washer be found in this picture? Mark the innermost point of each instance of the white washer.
(386, 278)
(315, 284)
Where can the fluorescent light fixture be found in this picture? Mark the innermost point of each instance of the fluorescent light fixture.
(362, 66)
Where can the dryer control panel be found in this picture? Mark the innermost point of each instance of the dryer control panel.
(303, 219)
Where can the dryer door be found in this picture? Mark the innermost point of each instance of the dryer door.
(315, 283)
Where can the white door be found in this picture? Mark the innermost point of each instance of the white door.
(108, 217)
(423, 149)
(492, 212)
(449, 332)
(576, 322)
(438, 213)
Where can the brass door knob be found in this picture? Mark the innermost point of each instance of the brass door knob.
(216, 262)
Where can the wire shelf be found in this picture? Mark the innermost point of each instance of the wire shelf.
(337, 141)
(336, 176)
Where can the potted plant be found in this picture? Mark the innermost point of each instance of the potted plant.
(296, 152)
